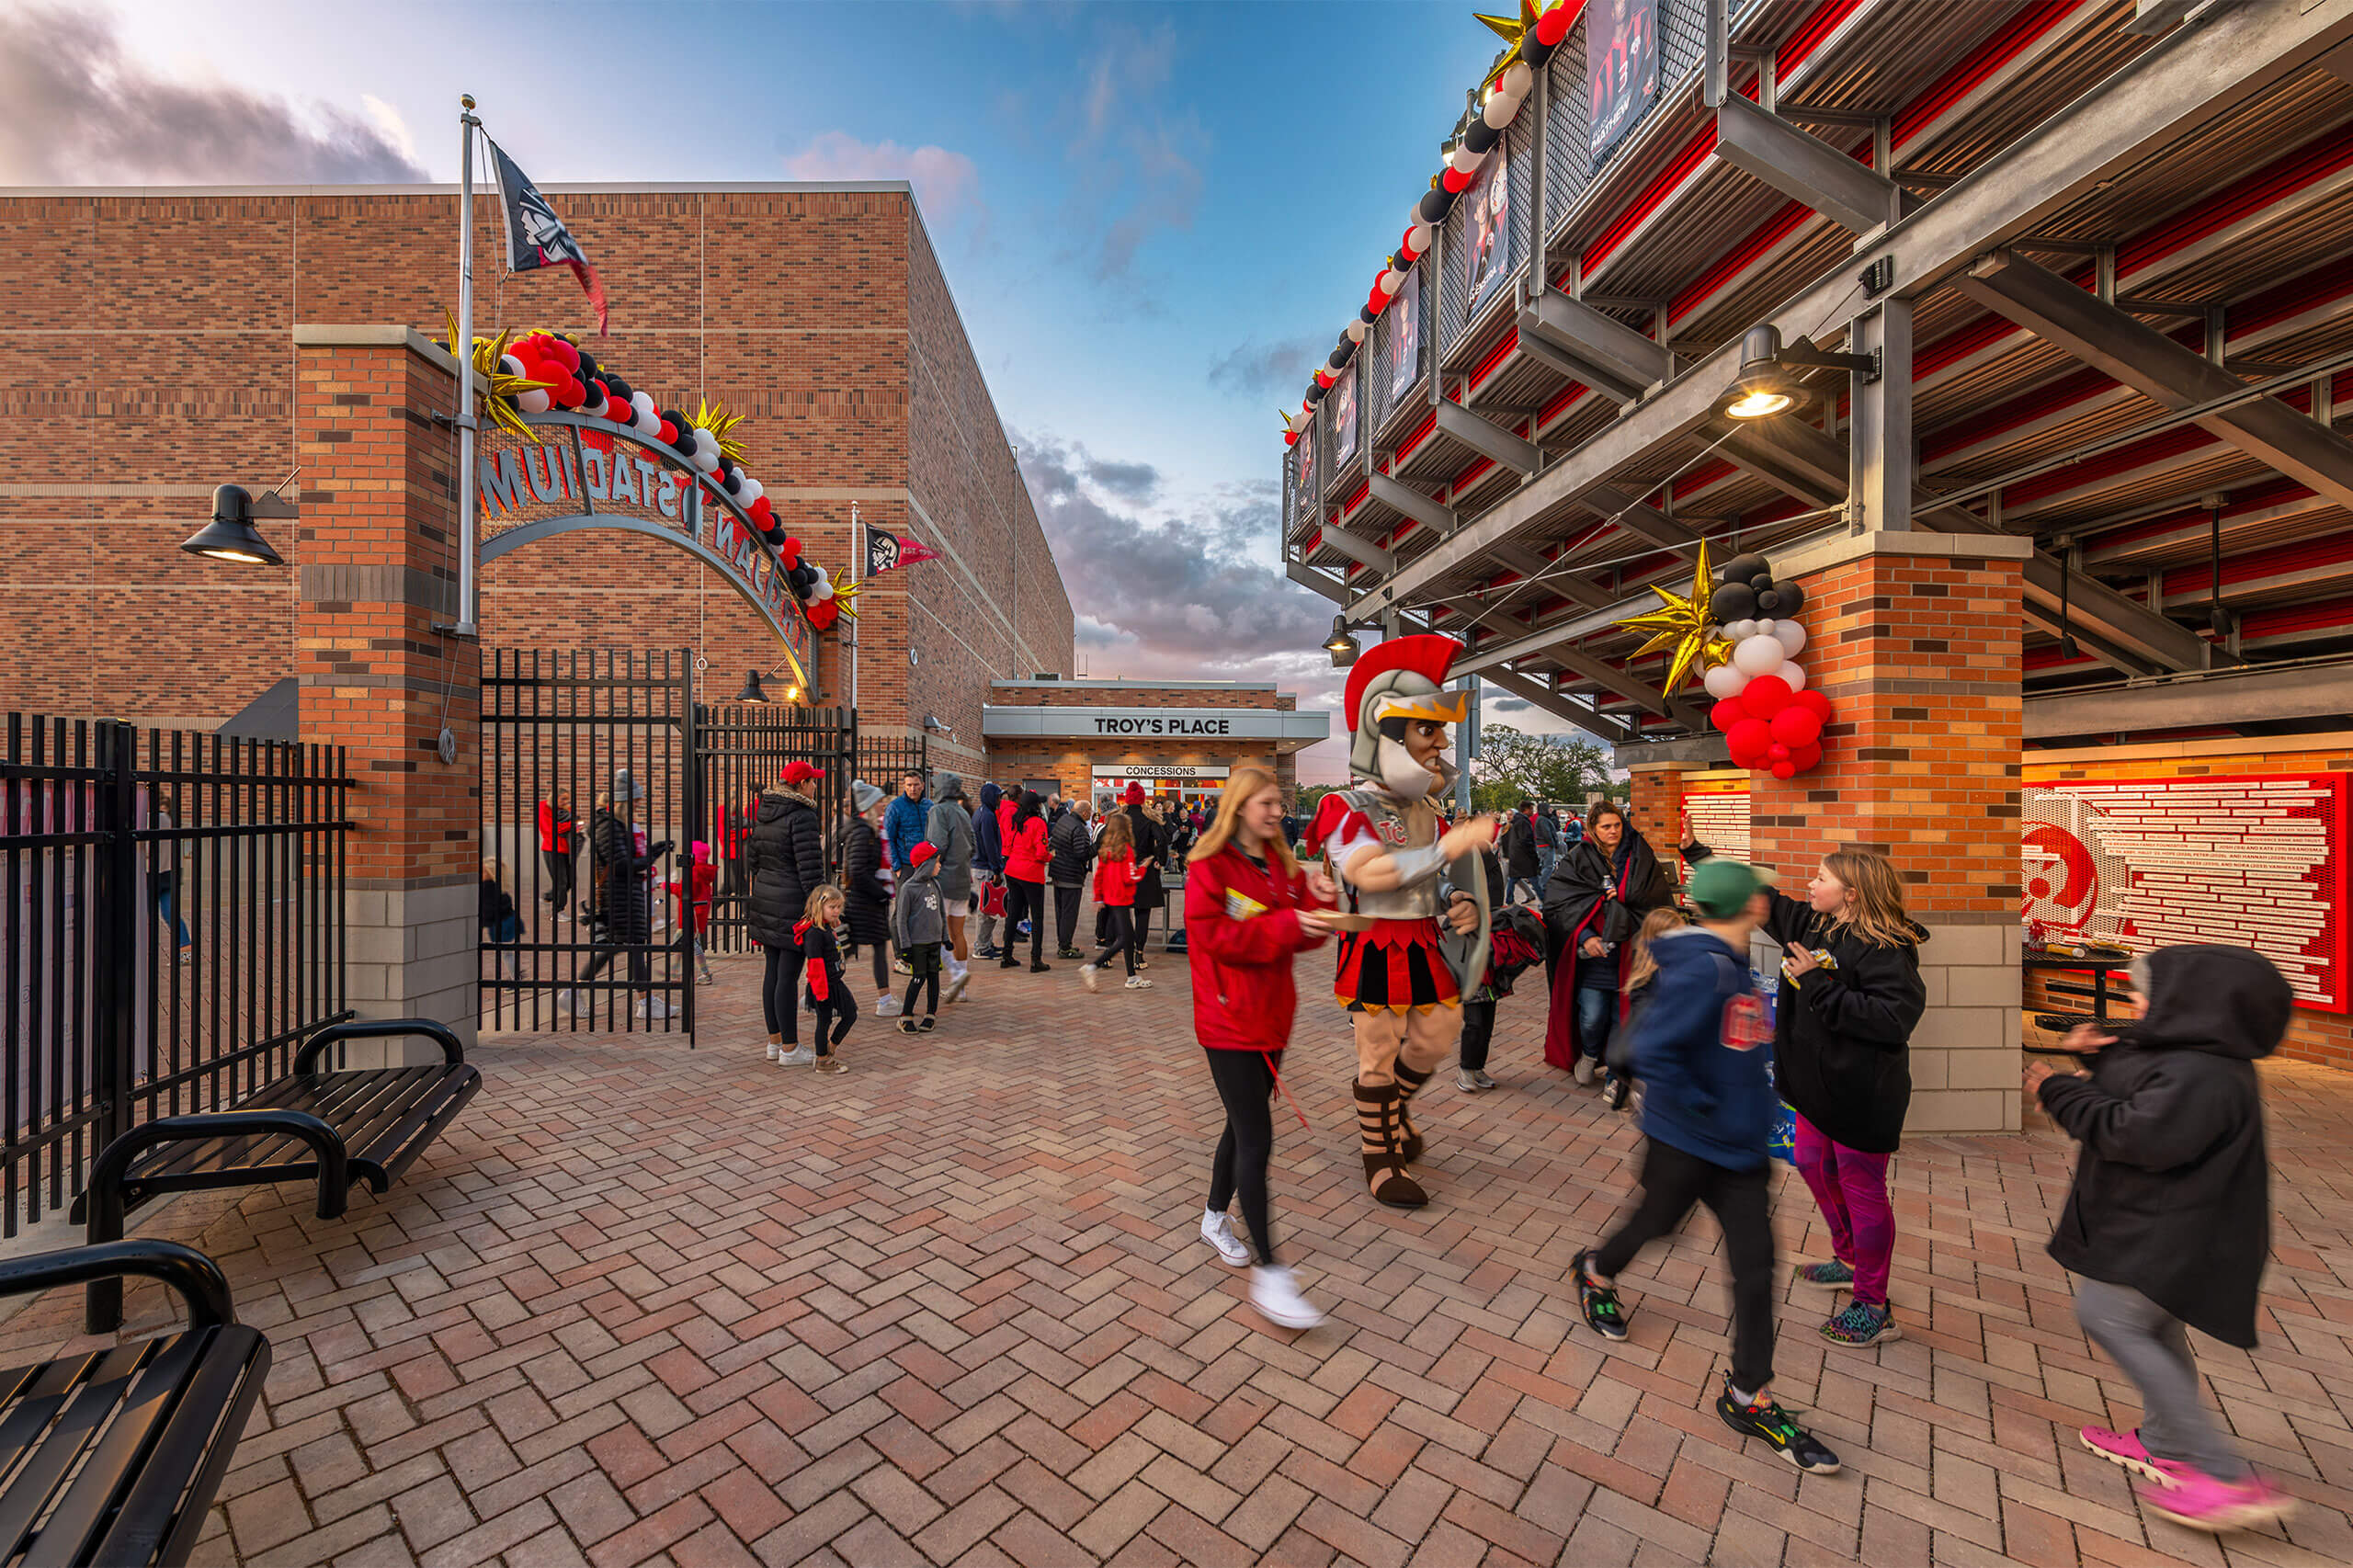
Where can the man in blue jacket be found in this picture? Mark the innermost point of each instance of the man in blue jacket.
(1708, 1113)
(904, 823)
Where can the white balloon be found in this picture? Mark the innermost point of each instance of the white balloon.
(534, 401)
(1760, 628)
(749, 490)
(1418, 237)
(1519, 79)
(1499, 110)
(510, 365)
(1724, 680)
(1792, 672)
(644, 404)
(1792, 637)
(1736, 629)
(708, 463)
(649, 423)
(822, 589)
(1355, 331)
(705, 441)
(1462, 160)
(1391, 280)
(1758, 655)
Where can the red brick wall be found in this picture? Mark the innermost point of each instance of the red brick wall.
(1057, 694)
(820, 316)
(2314, 1035)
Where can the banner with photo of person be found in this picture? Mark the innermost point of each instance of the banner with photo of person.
(1487, 238)
(1401, 324)
(1342, 401)
(1621, 69)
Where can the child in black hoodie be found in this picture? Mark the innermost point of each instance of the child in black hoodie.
(2169, 1219)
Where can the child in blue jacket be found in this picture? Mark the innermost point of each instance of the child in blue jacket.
(1707, 1115)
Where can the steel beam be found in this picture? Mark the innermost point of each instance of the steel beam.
(1885, 463)
(2225, 700)
(1543, 639)
(1643, 521)
(2115, 344)
(1401, 497)
(1308, 577)
(1578, 713)
(1361, 551)
(2107, 652)
(1805, 168)
(1610, 678)
(1486, 439)
(2177, 84)
(1792, 456)
(1601, 350)
(2134, 629)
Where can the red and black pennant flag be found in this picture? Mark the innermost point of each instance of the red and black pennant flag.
(536, 237)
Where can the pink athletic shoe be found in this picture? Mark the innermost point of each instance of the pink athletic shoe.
(2198, 1500)
(2124, 1448)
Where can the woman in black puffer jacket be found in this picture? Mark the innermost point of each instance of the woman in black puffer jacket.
(784, 862)
(865, 901)
(613, 842)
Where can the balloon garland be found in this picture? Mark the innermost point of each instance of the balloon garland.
(1531, 37)
(1769, 717)
(541, 370)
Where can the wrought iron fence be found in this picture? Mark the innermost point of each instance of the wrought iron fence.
(741, 748)
(174, 927)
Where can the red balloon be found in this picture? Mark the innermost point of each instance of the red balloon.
(562, 352)
(1778, 752)
(668, 434)
(1766, 695)
(1727, 713)
(1785, 769)
(1794, 726)
(1747, 741)
(1406, 244)
(787, 549)
(1554, 25)
(1806, 757)
(569, 392)
(1455, 180)
(1290, 437)
(1812, 702)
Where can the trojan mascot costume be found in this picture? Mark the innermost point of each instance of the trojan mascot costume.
(1384, 844)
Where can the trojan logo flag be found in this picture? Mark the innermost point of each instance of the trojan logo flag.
(536, 237)
(886, 550)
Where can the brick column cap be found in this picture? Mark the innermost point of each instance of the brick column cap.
(314, 334)
(1838, 549)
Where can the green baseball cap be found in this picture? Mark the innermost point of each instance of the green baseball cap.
(1720, 889)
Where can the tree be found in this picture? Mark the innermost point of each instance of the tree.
(1514, 766)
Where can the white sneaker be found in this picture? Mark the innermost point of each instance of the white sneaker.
(568, 1004)
(1138, 982)
(1278, 1301)
(1468, 1083)
(886, 1008)
(1218, 1231)
(956, 983)
(1087, 976)
(1583, 1071)
(776, 1049)
(654, 1007)
(799, 1056)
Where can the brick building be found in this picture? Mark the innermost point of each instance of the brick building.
(150, 338)
(1179, 739)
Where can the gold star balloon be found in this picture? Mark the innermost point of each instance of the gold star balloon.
(1680, 622)
(1511, 28)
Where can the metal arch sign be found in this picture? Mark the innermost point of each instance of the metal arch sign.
(588, 475)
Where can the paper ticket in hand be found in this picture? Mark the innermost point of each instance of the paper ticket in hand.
(1241, 906)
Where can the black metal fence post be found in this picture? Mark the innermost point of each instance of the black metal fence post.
(114, 926)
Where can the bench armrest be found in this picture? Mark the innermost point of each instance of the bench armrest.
(196, 1277)
(378, 1028)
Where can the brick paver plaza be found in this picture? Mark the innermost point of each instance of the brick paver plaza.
(652, 1305)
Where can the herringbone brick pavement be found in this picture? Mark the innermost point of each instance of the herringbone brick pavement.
(653, 1305)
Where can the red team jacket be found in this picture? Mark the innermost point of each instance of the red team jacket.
(1115, 882)
(1242, 930)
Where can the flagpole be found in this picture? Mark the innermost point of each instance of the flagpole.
(464, 349)
(857, 570)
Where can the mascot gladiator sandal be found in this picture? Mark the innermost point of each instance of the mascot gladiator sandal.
(1384, 843)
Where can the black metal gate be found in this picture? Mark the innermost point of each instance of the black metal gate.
(741, 749)
(578, 747)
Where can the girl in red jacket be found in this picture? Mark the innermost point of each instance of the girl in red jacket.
(1115, 890)
(693, 896)
(1025, 879)
(1248, 909)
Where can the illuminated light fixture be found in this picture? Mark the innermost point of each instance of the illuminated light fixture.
(1342, 644)
(1765, 385)
(793, 694)
(751, 692)
(231, 535)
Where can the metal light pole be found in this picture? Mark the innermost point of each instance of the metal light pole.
(464, 349)
(1470, 755)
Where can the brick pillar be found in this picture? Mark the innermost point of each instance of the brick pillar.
(379, 532)
(1657, 809)
(1915, 639)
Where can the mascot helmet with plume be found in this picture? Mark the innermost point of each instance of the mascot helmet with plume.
(1394, 682)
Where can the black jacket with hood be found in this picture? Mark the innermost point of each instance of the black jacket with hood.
(1842, 1038)
(784, 861)
(2172, 1195)
(866, 902)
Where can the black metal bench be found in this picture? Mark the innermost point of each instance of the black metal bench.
(331, 1127)
(111, 1456)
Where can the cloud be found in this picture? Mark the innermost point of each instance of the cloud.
(1255, 370)
(1131, 482)
(80, 112)
(947, 184)
(1135, 169)
(1504, 704)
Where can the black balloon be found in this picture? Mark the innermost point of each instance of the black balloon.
(1733, 601)
(1315, 394)
(619, 388)
(1434, 206)
(1747, 569)
(1335, 359)
(1534, 50)
(1480, 137)
(1788, 598)
(1366, 316)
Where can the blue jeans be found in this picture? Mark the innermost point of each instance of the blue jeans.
(1544, 858)
(1596, 1019)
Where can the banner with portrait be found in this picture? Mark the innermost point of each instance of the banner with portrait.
(1342, 401)
(1401, 329)
(1621, 69)
(1487, 238)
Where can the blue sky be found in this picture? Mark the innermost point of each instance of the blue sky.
(1155, 217)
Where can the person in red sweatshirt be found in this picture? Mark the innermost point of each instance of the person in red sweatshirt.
(693, 895)
(829, 995)
(1250, 910)
(1025, 876)
(1115, 890)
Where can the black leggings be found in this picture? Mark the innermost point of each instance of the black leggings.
(923, 961)
(560, 874)
(1143, 925)
(1123, 937)
(1478, 1027)
(1742, 1202)
(603, 954)
(781, 994)
(880, 953)
(831, 1024)
(1028, 902)
(1245, 1082)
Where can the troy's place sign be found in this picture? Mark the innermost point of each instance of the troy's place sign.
(587, 475)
